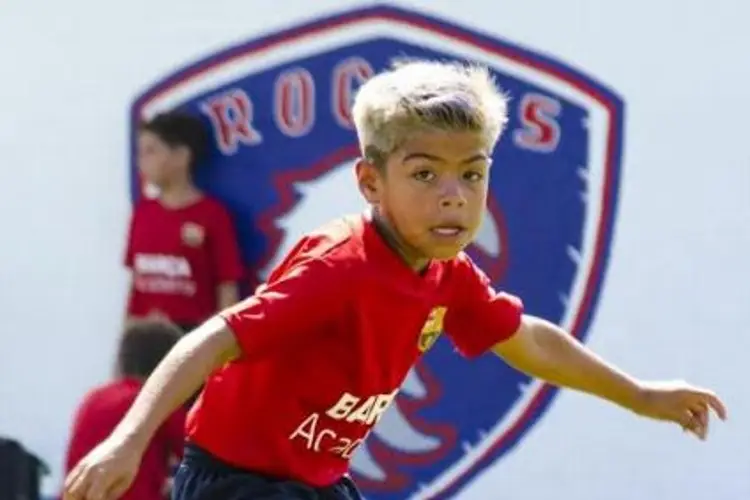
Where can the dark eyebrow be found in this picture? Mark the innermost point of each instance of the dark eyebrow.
(421, 156)
(427, 156)
(478, 157)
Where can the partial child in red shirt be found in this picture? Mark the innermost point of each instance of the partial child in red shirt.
(182, 248)
(299, 373)
(142, 347)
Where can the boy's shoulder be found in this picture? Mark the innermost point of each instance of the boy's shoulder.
(205, 203)
(463, 267)
(144, 203)
(112, 392)
(208, 202)
(350, 245)
(339, 240)
(338, 244)
(462, 262)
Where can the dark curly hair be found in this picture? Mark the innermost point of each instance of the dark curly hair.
(179, 128)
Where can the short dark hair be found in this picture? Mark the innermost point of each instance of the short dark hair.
(179, 128)
(143, 345)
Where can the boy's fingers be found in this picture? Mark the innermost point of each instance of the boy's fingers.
(685, 420)
(700, 419)
(700, 413)
(716, 404)
(72, 478)
(99, 488)
(75, 485)
(118, 489)
(690, 422)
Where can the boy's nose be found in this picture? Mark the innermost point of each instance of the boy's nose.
(452, 194)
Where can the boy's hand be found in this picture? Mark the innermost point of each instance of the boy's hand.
(105, 473)
(680, 403)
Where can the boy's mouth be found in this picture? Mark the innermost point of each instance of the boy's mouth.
(449, 230)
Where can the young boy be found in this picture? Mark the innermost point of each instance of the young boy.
(142, 346)
(299, 373)
(182, 248)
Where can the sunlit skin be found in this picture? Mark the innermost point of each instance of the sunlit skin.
(437, 182)
(430, 195)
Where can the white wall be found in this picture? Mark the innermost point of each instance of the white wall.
(677, 297)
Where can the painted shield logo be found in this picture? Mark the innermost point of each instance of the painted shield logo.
(279, 110)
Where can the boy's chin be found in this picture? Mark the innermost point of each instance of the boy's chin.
(445, 252)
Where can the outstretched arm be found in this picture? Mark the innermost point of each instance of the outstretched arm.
(543, 350)
(178, 376)
(269, 321)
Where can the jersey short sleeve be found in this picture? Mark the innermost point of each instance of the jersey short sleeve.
(297, 305)
(479, 316)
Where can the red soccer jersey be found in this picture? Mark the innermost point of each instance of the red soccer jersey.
(98, 415)
(178, 257)
(326, 345)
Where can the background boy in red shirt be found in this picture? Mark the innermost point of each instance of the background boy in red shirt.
(182, 248)
(142, 347)
(300, 372)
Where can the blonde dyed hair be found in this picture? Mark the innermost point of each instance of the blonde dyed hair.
(417, 96)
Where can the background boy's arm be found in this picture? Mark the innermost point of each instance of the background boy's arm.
(228, 294)
(227, 260)
(177, 377)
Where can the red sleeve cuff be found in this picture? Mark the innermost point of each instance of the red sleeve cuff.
(495, 322)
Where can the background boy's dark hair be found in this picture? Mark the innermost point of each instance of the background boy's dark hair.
(179, 128)
(143, 345)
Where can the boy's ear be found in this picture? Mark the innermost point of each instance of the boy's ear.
(183, 153)
(368, 180)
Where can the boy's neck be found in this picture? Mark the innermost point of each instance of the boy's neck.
(391, 238)
(178, 195)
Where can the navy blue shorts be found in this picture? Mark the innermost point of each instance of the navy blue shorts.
(203, 477)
